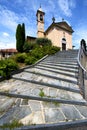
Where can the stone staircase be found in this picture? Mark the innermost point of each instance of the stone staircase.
(46, 93)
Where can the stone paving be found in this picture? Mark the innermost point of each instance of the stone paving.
(50, 82)
(37, 112)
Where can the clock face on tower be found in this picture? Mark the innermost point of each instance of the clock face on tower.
(40, 27)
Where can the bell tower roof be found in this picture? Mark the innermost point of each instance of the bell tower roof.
(40, 9)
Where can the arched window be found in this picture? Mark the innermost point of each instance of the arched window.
(63, 39)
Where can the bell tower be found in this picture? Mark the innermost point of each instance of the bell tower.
(40, 22)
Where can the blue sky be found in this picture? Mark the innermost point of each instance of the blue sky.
(13, 12)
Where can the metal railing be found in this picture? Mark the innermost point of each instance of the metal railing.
(82, 61)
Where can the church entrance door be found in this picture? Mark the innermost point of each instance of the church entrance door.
(63, 46)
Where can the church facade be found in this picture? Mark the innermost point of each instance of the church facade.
(60, 33)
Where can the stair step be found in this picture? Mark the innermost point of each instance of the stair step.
(60, 60)
(52, 72)
(57, 57)
(24, 87)
(55, 100)
(48, 75)
(47, 79)
(42, 80)
(61, 65)
(59, 68)
(66, 63)
(68, 56)
(68, 52)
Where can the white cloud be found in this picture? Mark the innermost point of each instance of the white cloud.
(8, 23)
(52, 4)
(7, 40)
(72, 3)
(66, 6)
(8, 18)
(5, 34)
(31, 31)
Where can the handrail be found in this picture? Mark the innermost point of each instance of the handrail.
(79, 56)
(82, 58)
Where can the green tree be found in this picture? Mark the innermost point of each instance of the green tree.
(20, 37)
(23, 34)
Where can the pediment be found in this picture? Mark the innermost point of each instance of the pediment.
(65, 26)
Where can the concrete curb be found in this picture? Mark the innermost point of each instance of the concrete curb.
(76, 125)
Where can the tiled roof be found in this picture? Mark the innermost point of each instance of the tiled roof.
(11, 50)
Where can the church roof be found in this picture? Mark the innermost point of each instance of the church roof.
(63, 25)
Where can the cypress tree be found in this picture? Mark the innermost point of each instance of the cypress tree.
(20, 37)
(23, 33)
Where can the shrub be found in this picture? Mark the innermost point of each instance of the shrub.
(46, 49)
(50, 50)
(28, 46)
(21, 57)
(30, 60)
(6, 67)
(2, 73)
(11, 64)
(37, 52)
(53, 50)
(43, 41)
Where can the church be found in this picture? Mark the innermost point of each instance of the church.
(60, 33)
